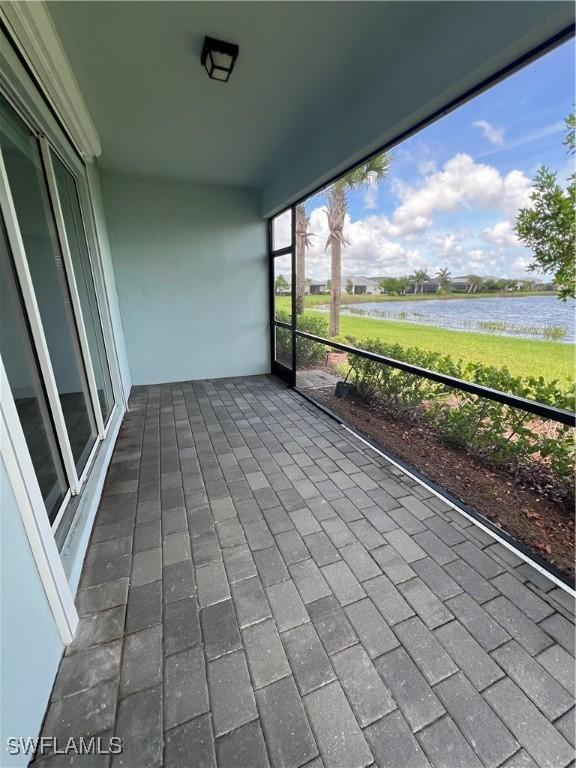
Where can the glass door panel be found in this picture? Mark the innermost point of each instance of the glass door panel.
(21, 366)
(77, 244)
(282, 302)
(27, 184)
(283, 346)
(282, 230)
(283, 288)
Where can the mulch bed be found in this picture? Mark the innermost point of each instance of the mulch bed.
(528, 506)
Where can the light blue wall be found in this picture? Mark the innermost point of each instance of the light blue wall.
(191, 274)
(30, 644)
(109, 277)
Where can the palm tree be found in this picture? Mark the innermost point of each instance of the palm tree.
(419, 278)
(443, 276)
(303, 236)
(370, 172)
(474, 283)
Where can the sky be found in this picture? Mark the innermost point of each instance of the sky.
(454, 188)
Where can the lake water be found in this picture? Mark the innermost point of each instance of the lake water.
(531, 317)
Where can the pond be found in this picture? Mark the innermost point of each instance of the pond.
(532, 317)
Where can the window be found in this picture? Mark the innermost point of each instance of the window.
(21, 366)
(23, 163)
(76, 239)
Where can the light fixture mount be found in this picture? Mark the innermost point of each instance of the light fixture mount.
(218, 58)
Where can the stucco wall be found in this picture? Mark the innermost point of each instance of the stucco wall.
(191, 273)
(30, 644)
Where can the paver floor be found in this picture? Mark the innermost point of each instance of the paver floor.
(261, 588)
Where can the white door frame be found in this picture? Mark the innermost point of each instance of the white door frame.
(16, 457)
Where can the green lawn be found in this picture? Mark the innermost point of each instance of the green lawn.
(525, 357)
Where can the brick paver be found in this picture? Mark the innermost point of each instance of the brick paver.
(263, 589)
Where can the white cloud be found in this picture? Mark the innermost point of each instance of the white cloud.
(426, 167)
(461, 183)
(370, 251)
(490, 132)
(501, 234)
(370, 197)
(529, 138)
(413, 235)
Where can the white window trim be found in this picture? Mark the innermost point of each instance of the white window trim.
(33, 32)
(22, 476)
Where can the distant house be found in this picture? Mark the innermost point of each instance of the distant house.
(361, 285)
(316, 287)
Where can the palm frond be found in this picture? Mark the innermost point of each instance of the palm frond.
(372, 171)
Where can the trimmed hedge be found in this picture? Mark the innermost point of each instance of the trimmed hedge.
(306, 351)
(492, 430)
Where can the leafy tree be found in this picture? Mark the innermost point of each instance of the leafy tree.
(548, 225)
(491, 285)
(374, 170)
(349, 287)
(444, 278)
(303, 241)
(401, 284)
(388, 285)
(281, 285)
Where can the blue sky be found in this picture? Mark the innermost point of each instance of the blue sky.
(454, 188)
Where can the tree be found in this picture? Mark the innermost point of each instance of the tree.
(349, 287)
(419, 278)
(395, 285)
(371, 172)
(388, 285)
(548, 226)
(444, 279)
(303, 237)
(401, 285)
(491, 285)
(281, 285)
(474, 284)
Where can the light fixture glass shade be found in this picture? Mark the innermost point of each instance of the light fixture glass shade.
(218, 58)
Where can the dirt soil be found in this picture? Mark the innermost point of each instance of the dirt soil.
(523, 505)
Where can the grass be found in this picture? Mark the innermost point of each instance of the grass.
(524, 357)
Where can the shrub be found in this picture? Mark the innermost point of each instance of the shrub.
(485, 427)
(399, 390)
(307, 351)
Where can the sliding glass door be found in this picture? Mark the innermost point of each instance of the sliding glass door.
(52, 340)
(24, 171)
(80, 259)
(25, 380)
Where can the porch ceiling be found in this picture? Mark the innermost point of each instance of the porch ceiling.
(316, 84)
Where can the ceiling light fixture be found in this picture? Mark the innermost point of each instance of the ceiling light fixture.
(218, 58)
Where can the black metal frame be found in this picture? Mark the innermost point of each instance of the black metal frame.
(277, 368)
(538, 409)
(531, 406)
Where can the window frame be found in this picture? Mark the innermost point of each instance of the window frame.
(57, 548)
